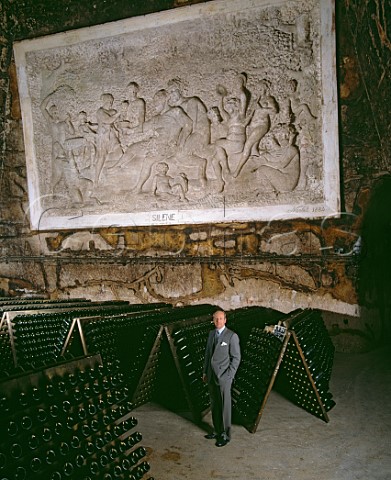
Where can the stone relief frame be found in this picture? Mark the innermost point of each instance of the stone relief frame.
(219, 112)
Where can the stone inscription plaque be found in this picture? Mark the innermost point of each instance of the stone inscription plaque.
(219, 112)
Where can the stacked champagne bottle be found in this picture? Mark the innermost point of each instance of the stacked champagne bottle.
(134, 341)
(259, 360)
(126, 338)
(294, 382)
(160, 373)
(147, 385)
(40, 335)
(318, 351)
(6, 359)
(72, 420)
(12, 304)
(189, 342)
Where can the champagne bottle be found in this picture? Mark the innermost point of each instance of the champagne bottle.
(16, 450)
(35, 464)
(41, 415)
(104, 460)
(99, 443)
(94, 425)
(91, 409)
(50, 390)
(141, 470)
(89, 448)
(36, 395)
(46, 434)
(68, 469)
(94, 468)
(113, 453)
(4, 404)
(56, 475)
(3, 461)
(23, 399)
(79, 460)
(54, 411)
(33, 442)
(64, 448)
(50, 457)
(20, 473)
(86, 430)
(75, 442)
(12, 428)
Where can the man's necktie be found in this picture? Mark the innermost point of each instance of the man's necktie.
(216, 340)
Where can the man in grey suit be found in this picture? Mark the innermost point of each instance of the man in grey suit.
(222, 359)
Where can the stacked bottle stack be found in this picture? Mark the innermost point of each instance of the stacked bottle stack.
(14, 301)
(318, 351)
(124, 338)
(6, 359)
(40, 336)
(42, 305)
(133, 341)
(294, 383)
(259, 360)
(69, 424)
(189, 343)
(146, 389)
(155, 358)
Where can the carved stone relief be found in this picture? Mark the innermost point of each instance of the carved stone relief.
(224, 111)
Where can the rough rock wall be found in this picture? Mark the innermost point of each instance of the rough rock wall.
(283, 265)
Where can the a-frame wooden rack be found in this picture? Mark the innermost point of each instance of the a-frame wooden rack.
(9, 310)
(58, 315)
(172, 375)
(284, 369)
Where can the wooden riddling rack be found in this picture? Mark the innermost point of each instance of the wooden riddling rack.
(8, 307)
(69, 420)
(38, 332)
(271, 361)
(135, 340)
(310, 348)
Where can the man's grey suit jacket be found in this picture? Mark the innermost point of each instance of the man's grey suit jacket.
(222, 360)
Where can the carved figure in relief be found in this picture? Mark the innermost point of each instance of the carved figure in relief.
(218, 128)
(60, 128)
(199, 138)
(163, 133)
(78, 173)
(279, 161)
(233, 111)
(261, 119)
(136, 109)
(86, 132)
(217, 158)
(300, 111)
(132, 116)
(108, 145)
(165, 186)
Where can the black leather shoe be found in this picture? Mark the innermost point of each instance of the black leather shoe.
(221, 442)
(210, 436)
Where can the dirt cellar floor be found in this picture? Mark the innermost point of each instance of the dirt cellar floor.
(289, 443)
